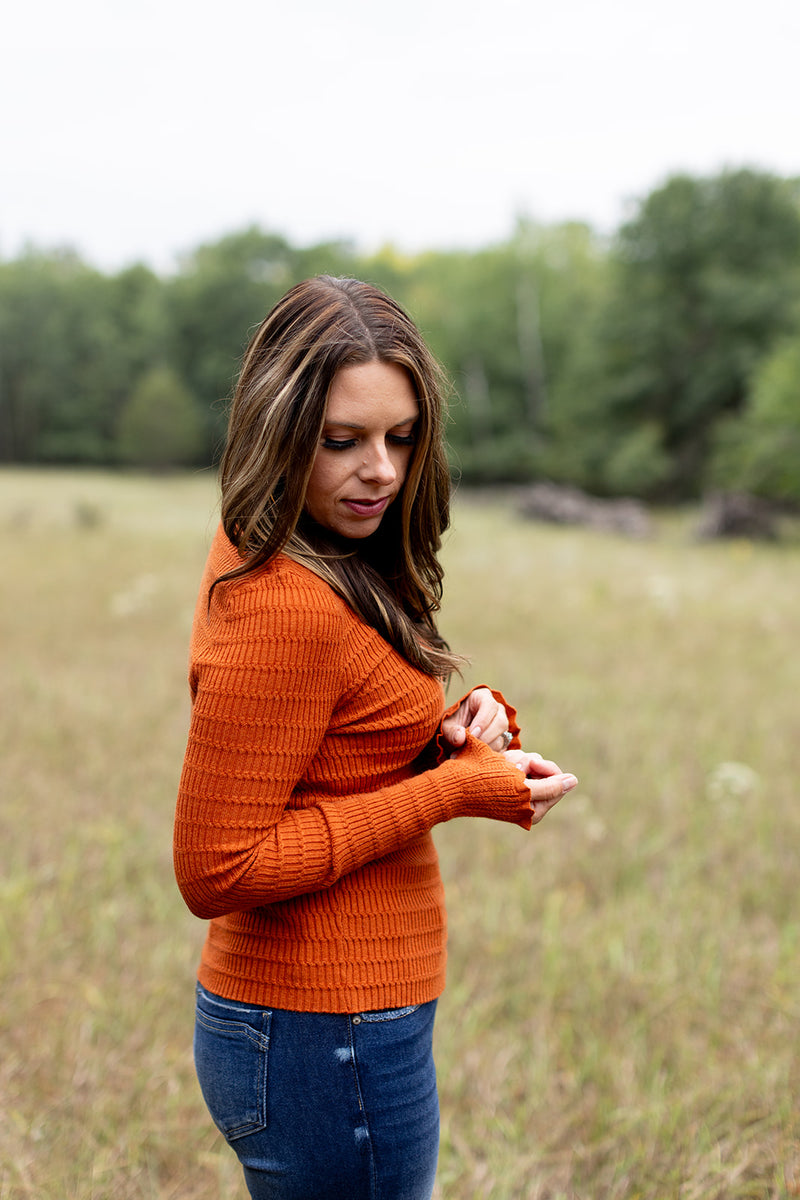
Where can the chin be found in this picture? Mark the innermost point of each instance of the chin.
(360, 533)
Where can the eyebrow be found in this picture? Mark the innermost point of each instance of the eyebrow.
(353, 425)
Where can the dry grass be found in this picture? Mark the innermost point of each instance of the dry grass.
(621, 1019)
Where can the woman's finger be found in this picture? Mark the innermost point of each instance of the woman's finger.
(550, 789)
(489, 718)
(546, 793)
(543, 766)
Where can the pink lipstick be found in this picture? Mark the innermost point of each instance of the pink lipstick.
(367, 508)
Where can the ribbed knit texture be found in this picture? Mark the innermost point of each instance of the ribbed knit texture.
(303, 821)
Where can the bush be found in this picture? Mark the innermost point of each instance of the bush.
(160, 426)
(759, 452)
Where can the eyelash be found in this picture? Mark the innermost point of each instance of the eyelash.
(395, 439)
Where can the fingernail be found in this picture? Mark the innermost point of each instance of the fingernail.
(475, 731)
(568, 782)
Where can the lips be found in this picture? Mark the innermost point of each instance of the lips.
(367, 508)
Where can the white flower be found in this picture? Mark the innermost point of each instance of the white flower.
(730, 781)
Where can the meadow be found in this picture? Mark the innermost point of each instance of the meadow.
(622, 1015)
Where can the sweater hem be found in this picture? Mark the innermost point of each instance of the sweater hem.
(322, 999)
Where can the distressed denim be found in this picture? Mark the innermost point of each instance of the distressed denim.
(322, 1106)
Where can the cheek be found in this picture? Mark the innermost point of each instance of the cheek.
(322, 483)
(402, 462)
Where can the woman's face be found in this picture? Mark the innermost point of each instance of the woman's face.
(366, 447)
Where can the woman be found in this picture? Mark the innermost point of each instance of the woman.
(320, 756)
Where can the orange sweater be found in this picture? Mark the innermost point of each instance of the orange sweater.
(304, 813)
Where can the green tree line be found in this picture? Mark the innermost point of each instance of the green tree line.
(658, 362)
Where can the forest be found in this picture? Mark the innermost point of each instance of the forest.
(660, 362)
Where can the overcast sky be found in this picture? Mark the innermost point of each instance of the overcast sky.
(136, 131)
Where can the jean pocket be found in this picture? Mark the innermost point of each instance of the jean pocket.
(231, 1055)
(389, 1014)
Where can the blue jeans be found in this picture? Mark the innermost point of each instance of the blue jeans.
(322, 1106)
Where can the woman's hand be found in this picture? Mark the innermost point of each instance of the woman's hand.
(546, 782)
(483, 716)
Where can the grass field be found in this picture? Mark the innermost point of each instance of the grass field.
(622, 1016)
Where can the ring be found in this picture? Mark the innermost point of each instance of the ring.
(508, 738)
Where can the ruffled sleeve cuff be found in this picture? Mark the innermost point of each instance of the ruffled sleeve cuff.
(444, 749)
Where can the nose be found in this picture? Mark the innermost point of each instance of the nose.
(377, 466)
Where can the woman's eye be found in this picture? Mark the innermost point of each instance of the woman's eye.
(395, 439)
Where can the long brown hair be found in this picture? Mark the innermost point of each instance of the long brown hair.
(392, 579)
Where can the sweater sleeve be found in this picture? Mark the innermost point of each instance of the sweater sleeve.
(265, 691)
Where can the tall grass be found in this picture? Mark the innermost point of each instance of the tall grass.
(622, 1013)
